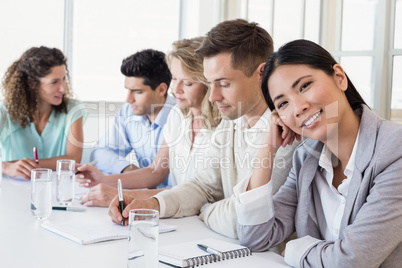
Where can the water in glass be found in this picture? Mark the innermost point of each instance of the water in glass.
(65, 187)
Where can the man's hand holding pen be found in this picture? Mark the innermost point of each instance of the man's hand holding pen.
(129, 203)
(121, 200)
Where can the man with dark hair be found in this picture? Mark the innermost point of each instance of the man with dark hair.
(138, 125)
(234, 54)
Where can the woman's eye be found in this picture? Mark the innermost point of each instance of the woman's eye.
(224, 85)
(304, 86)
(280, 105)
(188, 84)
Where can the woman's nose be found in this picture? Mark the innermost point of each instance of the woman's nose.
(63, 87)
(177, 88)
(300, 106)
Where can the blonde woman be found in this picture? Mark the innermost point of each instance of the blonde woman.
(38, 112)
(186, 134)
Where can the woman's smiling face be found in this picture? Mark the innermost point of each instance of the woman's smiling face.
(309, 101)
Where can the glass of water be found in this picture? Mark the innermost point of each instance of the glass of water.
(41, 193)
(65, 181)
(143, 238)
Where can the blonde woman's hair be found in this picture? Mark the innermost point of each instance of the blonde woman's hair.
(184, 51)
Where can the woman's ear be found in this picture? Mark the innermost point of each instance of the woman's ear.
(340, 77)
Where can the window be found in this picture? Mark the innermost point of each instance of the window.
(94, 35)
(24, 24)
(397, 85)
(284, 24)
(356, 51)
(104, 33)
(365, 36)
(396, 63)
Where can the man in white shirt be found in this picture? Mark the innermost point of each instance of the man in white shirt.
(234, 54)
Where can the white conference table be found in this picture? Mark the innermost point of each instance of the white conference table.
(23, 243)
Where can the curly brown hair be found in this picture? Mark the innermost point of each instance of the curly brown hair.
(22, 80)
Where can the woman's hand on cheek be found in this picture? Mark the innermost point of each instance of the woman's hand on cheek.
(281, 134)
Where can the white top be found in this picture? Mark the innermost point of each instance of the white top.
(330, 202)
(184, 157)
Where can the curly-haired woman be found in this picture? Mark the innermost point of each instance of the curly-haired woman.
(37, 112)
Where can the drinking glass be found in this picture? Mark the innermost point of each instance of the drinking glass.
(41, 193)
(65, 181)
(143, 238)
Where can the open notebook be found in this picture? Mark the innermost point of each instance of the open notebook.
(93, 231)
(188, 254)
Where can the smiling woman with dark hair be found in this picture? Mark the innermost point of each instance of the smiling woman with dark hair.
(344, 193)
(38, 112)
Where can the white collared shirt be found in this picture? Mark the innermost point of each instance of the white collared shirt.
(329, 202)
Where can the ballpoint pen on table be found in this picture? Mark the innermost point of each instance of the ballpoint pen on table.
(121, 200)
(209, 250)
(89, 164)
(76, 209)
(35, 150)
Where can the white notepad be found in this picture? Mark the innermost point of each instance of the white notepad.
(188, 254)
(93, 231)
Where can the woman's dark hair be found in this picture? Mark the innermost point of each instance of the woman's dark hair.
(308, 53)
(22, 80)
(150, 65)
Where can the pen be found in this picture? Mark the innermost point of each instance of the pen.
(35, 150)
(90, 164)
(209, 250)
(76, 209)
(121, 200)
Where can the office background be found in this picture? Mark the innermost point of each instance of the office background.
(365, 36)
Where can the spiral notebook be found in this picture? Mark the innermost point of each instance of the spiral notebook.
(188, 254)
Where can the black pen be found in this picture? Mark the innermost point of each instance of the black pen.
(76, 209)
(121, 200)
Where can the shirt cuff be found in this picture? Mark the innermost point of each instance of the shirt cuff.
(255, 206)
(297, 249)
(162, 206)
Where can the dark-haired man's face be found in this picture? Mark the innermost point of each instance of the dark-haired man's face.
(232, 91)
(143, 100)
